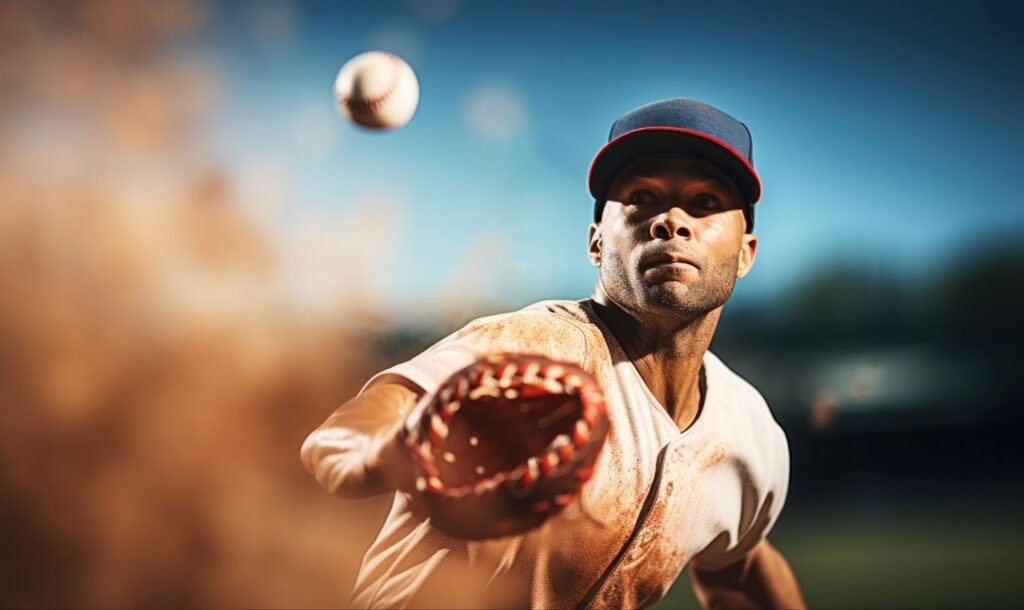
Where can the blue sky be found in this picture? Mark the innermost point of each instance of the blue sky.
(886, 135)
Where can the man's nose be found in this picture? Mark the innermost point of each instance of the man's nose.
(670, 225)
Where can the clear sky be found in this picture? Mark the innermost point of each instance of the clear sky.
(886, 135)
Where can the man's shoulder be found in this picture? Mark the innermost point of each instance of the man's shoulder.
(561, 317)
(732, 389)
(731, 382)
(749, 421)
(559, 329)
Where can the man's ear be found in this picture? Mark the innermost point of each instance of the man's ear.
(748, 251)
(594, 244)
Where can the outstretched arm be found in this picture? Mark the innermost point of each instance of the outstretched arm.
(357, 452)
(762, 579)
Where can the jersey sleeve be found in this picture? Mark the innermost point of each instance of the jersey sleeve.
(757, 501)
(523, 332)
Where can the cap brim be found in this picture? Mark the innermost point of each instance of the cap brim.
(626, 148)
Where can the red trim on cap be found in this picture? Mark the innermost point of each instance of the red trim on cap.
(691, 132)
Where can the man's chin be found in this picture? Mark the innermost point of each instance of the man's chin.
(675, 298)
(670, 295)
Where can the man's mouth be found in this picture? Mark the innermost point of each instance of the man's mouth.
(667, 259)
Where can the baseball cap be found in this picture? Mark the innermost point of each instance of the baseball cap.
(680, 126)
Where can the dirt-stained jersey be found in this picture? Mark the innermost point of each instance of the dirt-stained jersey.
(721, 485)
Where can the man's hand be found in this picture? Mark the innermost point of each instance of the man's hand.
(762, 579)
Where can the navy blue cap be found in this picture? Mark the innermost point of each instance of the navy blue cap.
(678, 126)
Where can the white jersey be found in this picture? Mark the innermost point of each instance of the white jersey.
(720, 487)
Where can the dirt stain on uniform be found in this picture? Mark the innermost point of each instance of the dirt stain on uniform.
(710, 458)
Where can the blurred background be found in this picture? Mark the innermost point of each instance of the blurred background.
(200, 260)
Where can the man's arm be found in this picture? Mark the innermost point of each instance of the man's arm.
(762, 579)
(357, 452)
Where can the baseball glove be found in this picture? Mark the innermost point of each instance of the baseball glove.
(504, 444)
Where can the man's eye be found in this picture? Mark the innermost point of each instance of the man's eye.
(642, 197)
(707, 202)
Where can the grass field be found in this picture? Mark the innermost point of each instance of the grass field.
(905, 556)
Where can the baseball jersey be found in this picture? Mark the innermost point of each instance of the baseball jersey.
(721, 485)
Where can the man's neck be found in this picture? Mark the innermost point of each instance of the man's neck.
(667, 353)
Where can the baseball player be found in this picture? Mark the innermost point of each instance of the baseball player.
(694, 470)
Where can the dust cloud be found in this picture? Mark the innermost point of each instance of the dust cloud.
(158, 371)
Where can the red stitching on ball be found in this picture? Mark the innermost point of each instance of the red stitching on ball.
(372, 103)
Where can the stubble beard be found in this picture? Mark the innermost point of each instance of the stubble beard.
(710, 291)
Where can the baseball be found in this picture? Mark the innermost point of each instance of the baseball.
(377, 90)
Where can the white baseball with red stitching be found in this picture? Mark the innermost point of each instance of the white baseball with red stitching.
(377, 90)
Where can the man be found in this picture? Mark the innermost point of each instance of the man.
(694, 470)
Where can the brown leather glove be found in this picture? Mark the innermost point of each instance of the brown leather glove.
(505, 444)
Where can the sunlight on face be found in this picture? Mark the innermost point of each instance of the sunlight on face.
(671, 240)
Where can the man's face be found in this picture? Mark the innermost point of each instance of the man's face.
(671, 241)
